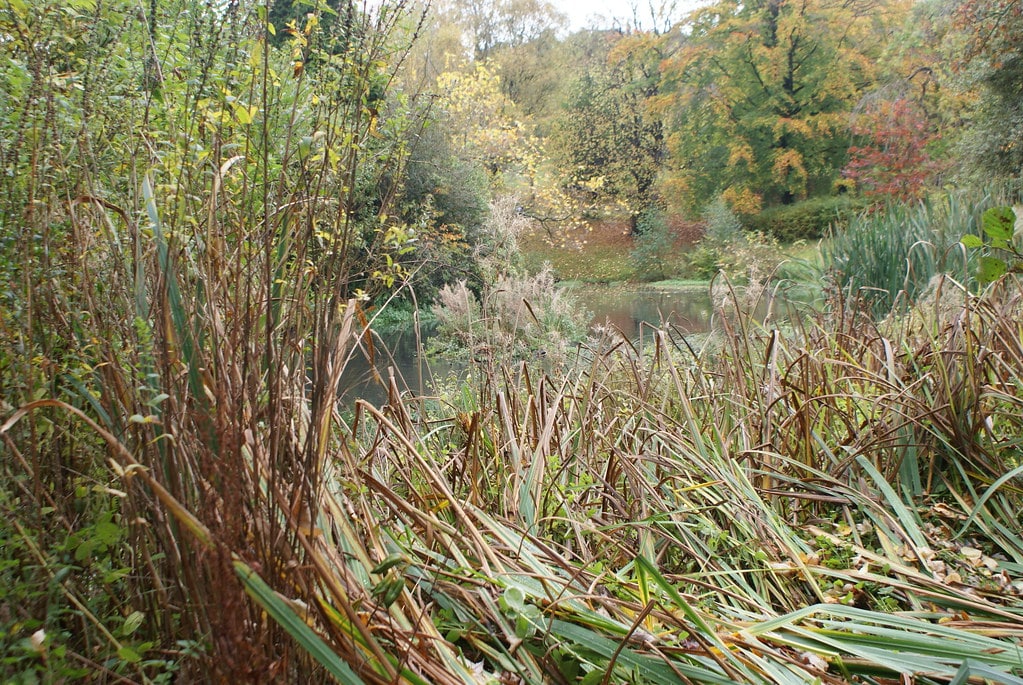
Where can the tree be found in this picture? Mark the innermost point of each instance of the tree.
(608, 137)
(892, 159)
(489, 24)
(991, 66)
(759, 93)
(482, 123)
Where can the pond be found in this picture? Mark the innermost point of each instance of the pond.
(629, 309)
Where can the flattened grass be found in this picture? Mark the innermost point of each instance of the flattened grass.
(796, 506)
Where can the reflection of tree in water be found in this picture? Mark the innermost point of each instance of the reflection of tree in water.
(687, 310)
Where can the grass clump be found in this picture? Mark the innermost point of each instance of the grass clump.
(515, 318)
(889, 256)
(822, 503)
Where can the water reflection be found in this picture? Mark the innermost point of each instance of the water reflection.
(627, 309)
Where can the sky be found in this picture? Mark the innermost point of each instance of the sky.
(582, 12)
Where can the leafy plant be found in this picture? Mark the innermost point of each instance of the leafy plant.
(516, 317)
(1001, 254)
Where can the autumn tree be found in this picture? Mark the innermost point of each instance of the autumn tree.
(891, 157)
(759, 94)
(608, 137)
(482, 122)
(991, 65)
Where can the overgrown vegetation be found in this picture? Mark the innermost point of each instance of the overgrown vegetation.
(809, 220)
(890, 256)
(202, 210)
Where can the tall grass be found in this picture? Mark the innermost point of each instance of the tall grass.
(181, 498)
(197, 217)
(799, 506)
(888, 256)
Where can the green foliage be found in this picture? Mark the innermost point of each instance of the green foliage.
(608, 142)
(756, 98)
(653, 252)
(63, 585)
(722, 224)
(743, 257)
(807, 220)
(890, 256)
(1001, 253)
(991, 71)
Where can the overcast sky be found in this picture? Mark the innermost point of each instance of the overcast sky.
(583, 13)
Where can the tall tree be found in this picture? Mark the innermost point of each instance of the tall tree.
(608, 137)
(760, 91)
(490, 24)
(992, 69)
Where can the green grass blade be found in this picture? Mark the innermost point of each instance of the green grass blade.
(306, 638)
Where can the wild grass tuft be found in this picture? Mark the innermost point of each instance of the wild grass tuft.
(182, 500)
(800, 505)
(888, 256)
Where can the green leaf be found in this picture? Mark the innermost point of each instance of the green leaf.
(158, 399)
(972, 241)
(999, 223)
(513, 600)
(132, 623)
(107, 533)
(84, 550)
(991, 269)
(285, 617)
(128, 654)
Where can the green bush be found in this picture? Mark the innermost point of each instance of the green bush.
(743, 257)
(808, 220)
(653, 247)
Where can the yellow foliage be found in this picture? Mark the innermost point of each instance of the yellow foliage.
(788, 164)
(742, 200)
(741, 154)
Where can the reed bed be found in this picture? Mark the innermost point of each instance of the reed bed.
(887, 256)
(839, 502)
(184, 498)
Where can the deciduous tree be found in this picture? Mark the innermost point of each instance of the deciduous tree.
(760, 92)
(891, 158)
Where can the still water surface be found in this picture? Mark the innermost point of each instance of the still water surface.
(629, 309)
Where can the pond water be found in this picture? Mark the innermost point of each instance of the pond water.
(629, 309)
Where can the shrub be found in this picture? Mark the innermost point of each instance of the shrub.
(653, 247)
(742, 257)
(808, 220)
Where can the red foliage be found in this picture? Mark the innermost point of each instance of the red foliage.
(991, 27)
(893, 161)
